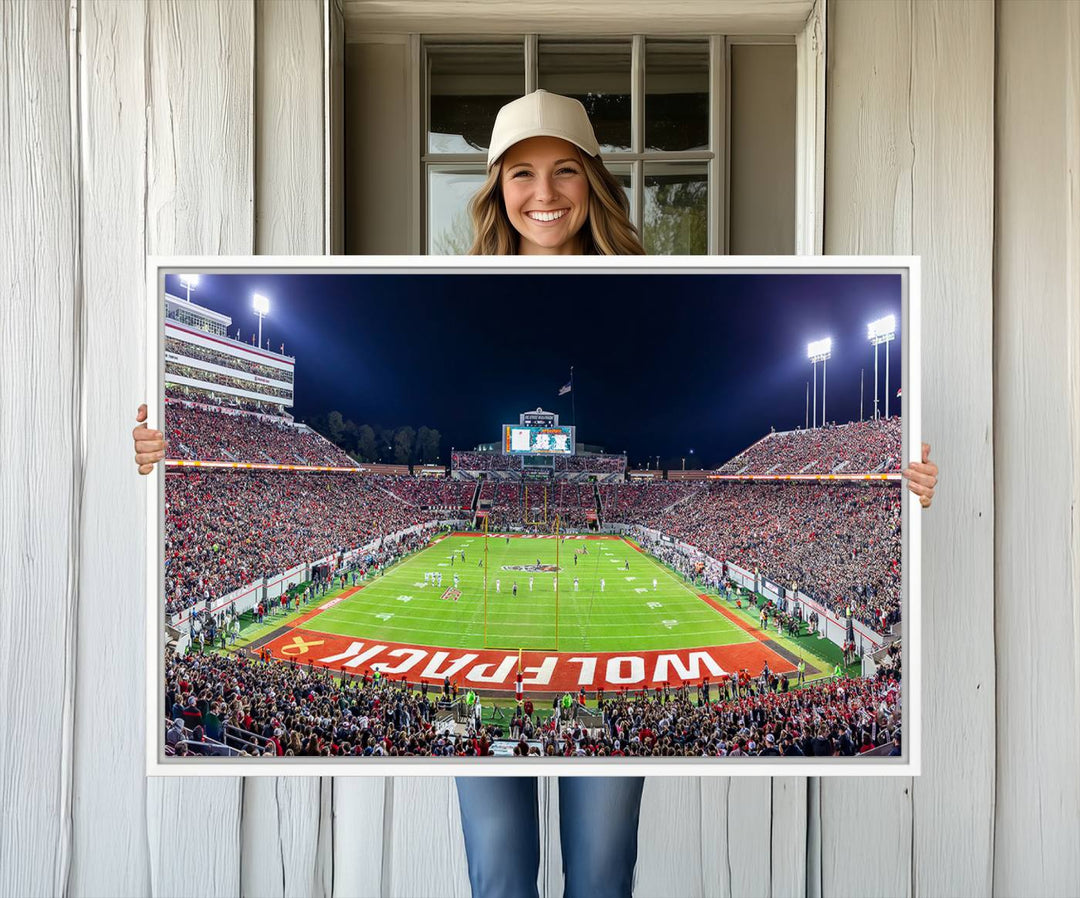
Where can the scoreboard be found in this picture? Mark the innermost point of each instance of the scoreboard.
(521, 440)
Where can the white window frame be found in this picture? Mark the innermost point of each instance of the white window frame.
(809, 42)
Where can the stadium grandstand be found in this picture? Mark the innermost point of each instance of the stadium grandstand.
(858, 448)
(234, 705)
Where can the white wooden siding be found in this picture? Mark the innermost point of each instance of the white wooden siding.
(199, 196)
(1037, 455)
(909, 149)
(179, 127)
(111, 854)
(42, 469)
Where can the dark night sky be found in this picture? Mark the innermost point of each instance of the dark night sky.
(662, 363)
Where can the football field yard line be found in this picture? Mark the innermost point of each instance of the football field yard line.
(426, 619)
(700, 617)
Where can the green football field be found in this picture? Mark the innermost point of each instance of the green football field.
(612, 609)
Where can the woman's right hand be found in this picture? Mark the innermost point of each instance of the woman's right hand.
(149, 444)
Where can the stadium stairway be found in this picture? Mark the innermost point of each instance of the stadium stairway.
(599, 506)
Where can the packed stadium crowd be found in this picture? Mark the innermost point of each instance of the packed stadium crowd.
(436, 491)
(522, 505)
(640, 502)
(860, 447)
(200, 432)
(184, 393)
(291, 709)
(564, 464)
(484, 461)
(226, 360)
(890, 666)
(224, 529)
(840, 542)
(224, 380)
(594, 464)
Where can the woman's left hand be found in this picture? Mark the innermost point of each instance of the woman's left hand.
(922, 477)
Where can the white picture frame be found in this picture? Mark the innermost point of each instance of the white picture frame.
(908, 764)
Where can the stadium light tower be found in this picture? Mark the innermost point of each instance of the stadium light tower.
(188, 281)
(819, 351)
(877, 332)
(262, 309)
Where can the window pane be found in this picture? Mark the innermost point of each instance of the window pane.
(623, 174)
(449, 192)
(597, 74)
(762, 174)
(676, 95)
(467, 84)
(676, 209)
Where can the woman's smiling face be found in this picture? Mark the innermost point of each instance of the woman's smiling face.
(546, 195)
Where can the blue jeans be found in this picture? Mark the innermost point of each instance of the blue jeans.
(598, 822)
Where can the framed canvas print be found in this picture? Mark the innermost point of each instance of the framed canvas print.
(610, 515)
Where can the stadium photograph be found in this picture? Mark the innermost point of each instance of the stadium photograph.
(532, 515)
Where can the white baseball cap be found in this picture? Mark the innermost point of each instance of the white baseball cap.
(541, 114)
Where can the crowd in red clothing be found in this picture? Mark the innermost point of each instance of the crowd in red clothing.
(484, 461)
(434, 491)
(226, 528)
(200, 432)
(572, 502)
(296, 710)
(857, 448)
(640, 502)
(564, 464)
(840, 542)
(593, 464)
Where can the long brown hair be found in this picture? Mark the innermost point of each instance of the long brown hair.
(607, 232)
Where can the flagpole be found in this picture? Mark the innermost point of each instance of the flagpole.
(573, 403)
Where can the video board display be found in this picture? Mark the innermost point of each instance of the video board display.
(519, 440)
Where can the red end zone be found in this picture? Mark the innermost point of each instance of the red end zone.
(543, 671)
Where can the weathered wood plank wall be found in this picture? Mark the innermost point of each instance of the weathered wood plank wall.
(1037, 450)
(180, 127)
(41, 441)
(199, 197)
(909, 169)
(111, 853)
(287, 836)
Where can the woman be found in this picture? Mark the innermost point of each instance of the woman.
(547, 193)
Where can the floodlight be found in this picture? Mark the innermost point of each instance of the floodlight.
(877, 332)
(882, 329)
(188, 281)
(262, 308)
(819, 351)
